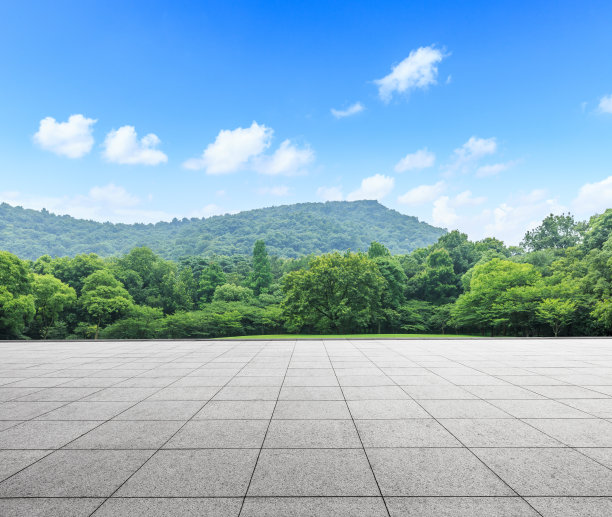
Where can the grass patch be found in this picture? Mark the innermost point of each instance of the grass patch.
(349, 336)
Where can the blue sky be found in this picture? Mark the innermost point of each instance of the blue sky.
(482, 116)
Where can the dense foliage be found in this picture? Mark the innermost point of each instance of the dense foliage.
(288, 231)
(562, 285)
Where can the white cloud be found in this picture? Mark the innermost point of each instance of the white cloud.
(374, 187)
(443, 213)
(605, 104)
(422, 194)
(469, 153)
(330, 193)
(232, 149)
(593, 198)
(466, 198)
(73, 138)
(280, 191)
(113, 195)
(418, 70)
(122, 146)
(493, 169)
(287, 159)
(208, 211)
(421, 159)
(351, 110)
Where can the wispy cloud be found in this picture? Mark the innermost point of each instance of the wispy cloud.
(421, 159)
(422, 194)
(418, 70)
(288, 159)
(605, 104)
(353, 109)
(493, 169)
(593, 197)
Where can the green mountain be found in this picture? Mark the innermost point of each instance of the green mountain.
(289, 231)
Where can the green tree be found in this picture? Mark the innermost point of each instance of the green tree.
(437, 282)
(556, 231)
(556, 312)
(376, 250)
(261, 276)
(16, 300)
(52, 298)
(210, 278)
(338, 293)
(104, 297)
(232, 293)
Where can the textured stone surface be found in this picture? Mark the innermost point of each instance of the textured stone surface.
(341, 428)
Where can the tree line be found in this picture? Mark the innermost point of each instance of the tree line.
(558, 282)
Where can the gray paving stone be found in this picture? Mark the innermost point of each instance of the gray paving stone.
(599, 454)
(14, 460)
(42, 434)
(127, 434)
(312, 434)
(173, 507)
(193, 473)
(236, 409)
(201, 393)
(434, 472)
(374, 393)
(88, 410)
(313, 472)
(539, 409)
(59, 394)
(75, 474)
(310, 393)
(162, 410)
(492, 432)
(386, 409)
(248, 393)
(311, 410)
(43, 507)
(116, 394)
(459, 507)
(314, 507)
(404, 433)
(548, 472)
(462, 409)
(438, 392)
(577, 432)
(572, 506)
(221, 434)
(25, 410)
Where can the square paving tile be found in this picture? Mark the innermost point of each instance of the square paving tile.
(193, 473)
(45, 507)
(15, 460)
(404, 433)
(313, 472)
(220, 434)
(386, 409)
(162, 410)
(44, 434)
(577, 432)
(572, 506)
(75, 474)
(459, 507)
(314, 506)
(170, 507)
(434, 472)
(312, 434)
(310, 393)
(236, 409)
(462, 409)
(548, 472)
(311, 409)
(118, 434)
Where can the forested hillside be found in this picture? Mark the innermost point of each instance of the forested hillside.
(288, 231)
(559, 282)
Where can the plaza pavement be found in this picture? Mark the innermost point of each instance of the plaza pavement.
(471, 428)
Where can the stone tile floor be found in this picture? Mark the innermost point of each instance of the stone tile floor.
(473, 428)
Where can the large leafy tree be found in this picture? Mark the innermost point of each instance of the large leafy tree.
(338, 292)
(556, 312)
(16, 300)
(555, 232)
(211, 277)
(104, 298)
(52, 298)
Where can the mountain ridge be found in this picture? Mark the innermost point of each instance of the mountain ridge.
(288, 230)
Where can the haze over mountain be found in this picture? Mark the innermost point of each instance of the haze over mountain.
(288, 230)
